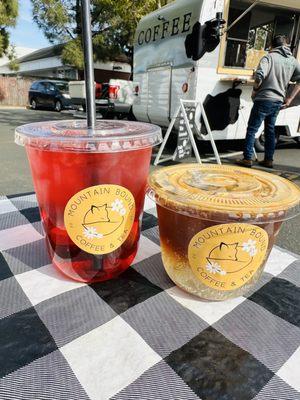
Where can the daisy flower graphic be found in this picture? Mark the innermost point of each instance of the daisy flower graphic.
(117, 205)
(250, 247)
(91, 233)
(215, 268)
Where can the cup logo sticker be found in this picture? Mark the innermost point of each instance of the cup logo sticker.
(99, 219)
(227, 256)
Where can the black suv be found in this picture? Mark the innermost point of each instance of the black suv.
(50, 94)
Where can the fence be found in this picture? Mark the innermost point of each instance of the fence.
(14, 91)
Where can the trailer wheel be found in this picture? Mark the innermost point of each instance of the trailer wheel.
(259, 143)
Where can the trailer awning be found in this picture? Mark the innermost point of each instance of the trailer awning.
(292, 4)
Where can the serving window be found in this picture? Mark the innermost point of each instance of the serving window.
(247, 40)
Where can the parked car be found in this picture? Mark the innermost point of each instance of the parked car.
(50, 94)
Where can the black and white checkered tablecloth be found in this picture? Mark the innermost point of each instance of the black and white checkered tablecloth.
(138, 337)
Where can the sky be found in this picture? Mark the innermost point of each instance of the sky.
(26, 33)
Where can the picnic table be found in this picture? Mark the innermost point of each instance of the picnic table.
(138, 337)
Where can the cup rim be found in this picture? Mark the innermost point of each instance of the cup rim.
(109, 136)
(163, 191)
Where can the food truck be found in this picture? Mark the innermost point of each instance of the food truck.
(207, 50)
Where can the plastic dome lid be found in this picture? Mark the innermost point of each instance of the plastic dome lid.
(73, 135)
(218, 192)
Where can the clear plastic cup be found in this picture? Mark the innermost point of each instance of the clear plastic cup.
(90, 190)
(218, 224)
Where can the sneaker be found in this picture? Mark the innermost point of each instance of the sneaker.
(244, 163)
(266, 163)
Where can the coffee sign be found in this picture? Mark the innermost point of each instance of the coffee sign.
(160, 31)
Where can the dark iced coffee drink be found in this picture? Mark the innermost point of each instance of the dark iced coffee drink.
(218, 225)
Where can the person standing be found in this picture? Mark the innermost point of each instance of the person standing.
(272, 77)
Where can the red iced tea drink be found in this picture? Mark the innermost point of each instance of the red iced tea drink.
(90, 190)
(218, 224)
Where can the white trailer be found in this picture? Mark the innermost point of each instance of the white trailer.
(175, 57)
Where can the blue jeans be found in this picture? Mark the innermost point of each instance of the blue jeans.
(267, 111)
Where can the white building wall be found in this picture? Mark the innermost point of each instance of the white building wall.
(20, 52)
(39, 67)
(113, 66)
(31, 66)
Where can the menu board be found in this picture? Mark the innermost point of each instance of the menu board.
(184, 146)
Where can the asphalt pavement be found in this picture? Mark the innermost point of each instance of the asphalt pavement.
(16, 177)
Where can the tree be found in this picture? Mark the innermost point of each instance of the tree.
(113, 25)
(12, 56)
(161, 3)
(8, 16)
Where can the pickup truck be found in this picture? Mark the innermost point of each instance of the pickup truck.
(113, 99)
